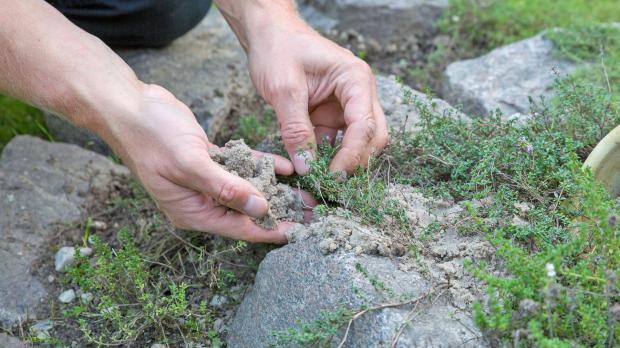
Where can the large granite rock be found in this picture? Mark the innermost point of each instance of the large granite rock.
(205, 69)
(504, 78)
(41, 184)
(333, 263)
(402, 104)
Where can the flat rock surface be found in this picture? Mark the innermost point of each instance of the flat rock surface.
(298, 281)
(7, 341)
(399, 104)
(205, 69)
(41, 184)
(504, 78)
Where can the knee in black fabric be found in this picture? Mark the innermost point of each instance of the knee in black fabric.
(141, 23)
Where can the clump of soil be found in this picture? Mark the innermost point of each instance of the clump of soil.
(340, 232)
(284, 203)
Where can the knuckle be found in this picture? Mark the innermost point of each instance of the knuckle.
(369, 128)
(228, 193)
(295, 132)
(285, 89)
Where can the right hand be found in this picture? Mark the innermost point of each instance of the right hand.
(167, 150)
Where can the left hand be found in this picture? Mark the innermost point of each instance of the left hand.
(317, 88)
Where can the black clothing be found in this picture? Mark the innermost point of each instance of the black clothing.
(136, 23)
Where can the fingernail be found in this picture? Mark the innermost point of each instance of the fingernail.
(256, 206)
(301, 161)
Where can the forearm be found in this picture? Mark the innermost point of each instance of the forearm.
(251, 19)
(49, 62)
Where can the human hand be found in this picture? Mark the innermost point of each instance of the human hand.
(316, 88)
(168, 151)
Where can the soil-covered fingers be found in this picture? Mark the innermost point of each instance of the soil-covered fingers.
(307, 203)
(291, 107)
(282, 165)
(232, 224)
(202, 174)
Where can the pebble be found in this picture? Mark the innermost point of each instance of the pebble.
(66, 255)
(86, 297)
(40, 329)
(218, 301)
(67, 296)
(50, 278)
(98, 225)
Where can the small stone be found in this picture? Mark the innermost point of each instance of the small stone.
(86, 297)
(67, 296)
(218, 325)
(40, 329)
(98, 225)
(66, 256)
(218, 301)
(158, 345)
(50, 278)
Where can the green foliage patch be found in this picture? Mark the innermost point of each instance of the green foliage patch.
(19, 118)
(363, 194)
(130, 300)
(483, 25)
(561, 286)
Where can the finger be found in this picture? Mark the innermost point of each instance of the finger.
(206, 176)
(356, 95)
(232, 224)
(381, 137)
(308, 215)
(291, 107)
(307, 201)
(325, 135)
(282, 165)
(327, 118)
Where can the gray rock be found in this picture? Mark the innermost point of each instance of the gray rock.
(205, 69)
(403, 114)
(41, 184)
(67, 296)
(378, 19)
(41, 329)
(66, 256)
(296, 282)
(7, 341)
(504, 78)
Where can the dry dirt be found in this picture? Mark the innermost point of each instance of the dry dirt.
(437, 253)
(284, 203)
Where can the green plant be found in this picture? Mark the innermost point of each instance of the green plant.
(562, 264)
(131, 301)
(19, 118)
(482, 25)
(254, 130)
(364, 193)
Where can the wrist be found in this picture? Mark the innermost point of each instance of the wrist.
(256, 21)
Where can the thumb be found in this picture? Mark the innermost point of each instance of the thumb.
(297, 131)
(228, 189)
